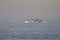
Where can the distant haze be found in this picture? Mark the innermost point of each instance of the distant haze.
(16, 11)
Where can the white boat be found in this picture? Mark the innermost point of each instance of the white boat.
(32, 20)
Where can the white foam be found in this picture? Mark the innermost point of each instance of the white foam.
(26, 22)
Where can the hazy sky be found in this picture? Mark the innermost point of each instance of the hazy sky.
(19, 10)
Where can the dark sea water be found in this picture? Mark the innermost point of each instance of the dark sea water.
(31, 31)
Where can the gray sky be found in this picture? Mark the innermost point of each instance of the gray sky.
(18, 10)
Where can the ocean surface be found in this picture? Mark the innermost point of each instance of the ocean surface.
(30, 31)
